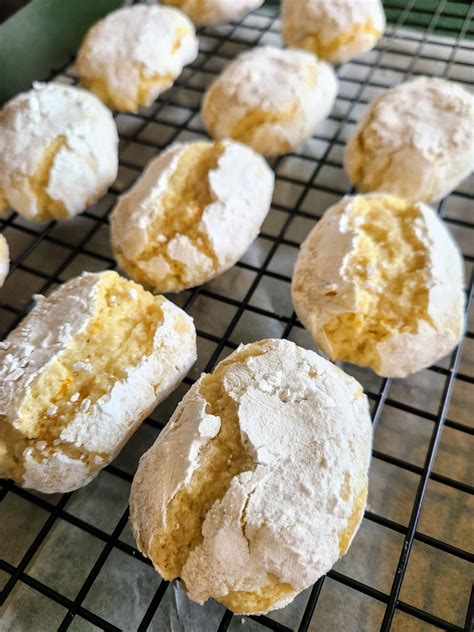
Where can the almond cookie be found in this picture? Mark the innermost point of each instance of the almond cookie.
(134, 54)
(379, 282)
(79, 375)
(270, 99)
(4, 259)
(192, 215)
(415, 141)
(258, 483)
(58, 152)
(205, 12)
(337, 30)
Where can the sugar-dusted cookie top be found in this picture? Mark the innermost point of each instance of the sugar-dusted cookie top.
(81, 372)
(192, 215)
(379, 282)
(58, 152)
(265, 464)
(335, 30)
(270, 99)
(134, 54)
(415, 140)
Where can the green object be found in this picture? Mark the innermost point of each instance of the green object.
(43, 36)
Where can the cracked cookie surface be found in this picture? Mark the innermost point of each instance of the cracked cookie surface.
(79, 375)
(379, 282)
(135, 53)
(58, 152)
(336, 31)
(192, 215)
(270, 99)
(263, 478)
(414, 141)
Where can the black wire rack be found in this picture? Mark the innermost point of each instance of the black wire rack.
(69, 562)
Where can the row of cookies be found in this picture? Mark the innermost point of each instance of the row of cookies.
(378, 281)
(58, 144)
(62, 145)
(60, 154)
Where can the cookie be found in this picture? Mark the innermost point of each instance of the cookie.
(134, 54)
(192, 215)
(414, 141)
(270, 99)
(379, 282)
(258, 483)
(58, 152)
(81, 372)
(335, 31)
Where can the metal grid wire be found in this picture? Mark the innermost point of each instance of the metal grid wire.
(84, 536)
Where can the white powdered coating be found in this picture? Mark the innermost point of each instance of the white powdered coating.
(205, 12)
(4, 259)
(57, 473)
(307, 426)
(294, 90)
(180, 444)
(341, 29)
(105, 426)
(415, 141)
(84, 166)
(135, 44)
(328, 289)
(241, 188)
(42, 336)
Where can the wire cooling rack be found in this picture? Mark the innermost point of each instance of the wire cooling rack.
(69, 562)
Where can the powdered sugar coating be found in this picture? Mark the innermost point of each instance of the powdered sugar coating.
(326, 289)
(134, 45)
(337, 30)
(414, 141)
(306, 425)
(103, 427)
(84, 166)
(4, 259)
(290, 91)
(206, 12)
(241, 188)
